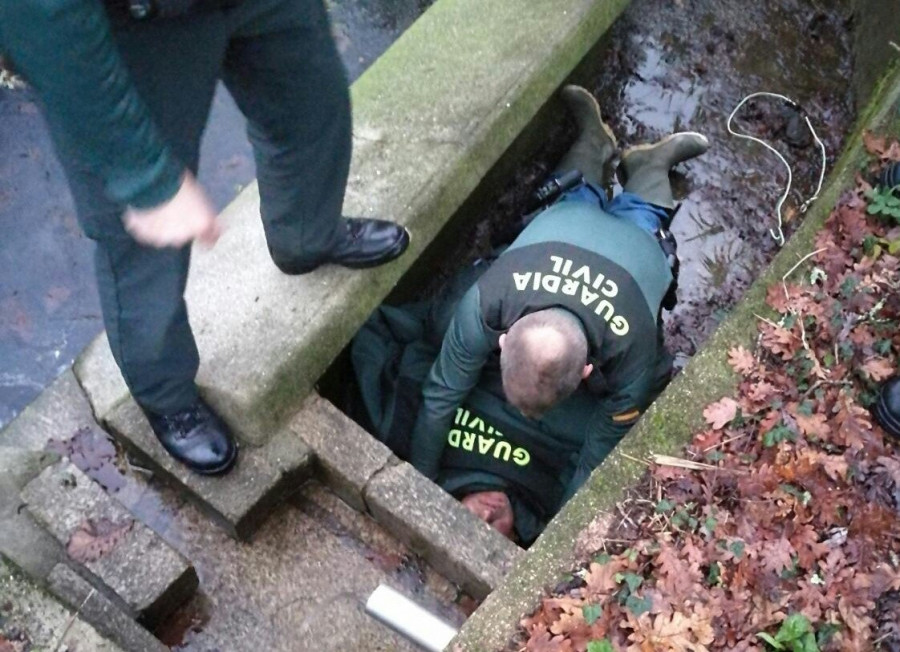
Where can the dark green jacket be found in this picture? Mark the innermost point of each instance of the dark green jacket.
(608, 272)
(66, 51)
(491, 446)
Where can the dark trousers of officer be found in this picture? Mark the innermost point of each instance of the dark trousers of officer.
(280, 63)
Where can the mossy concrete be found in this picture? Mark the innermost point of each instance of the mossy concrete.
(670, 423)
(432, 116)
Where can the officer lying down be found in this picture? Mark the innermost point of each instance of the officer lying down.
(513, 384)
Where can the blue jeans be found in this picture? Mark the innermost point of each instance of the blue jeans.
(626, 205)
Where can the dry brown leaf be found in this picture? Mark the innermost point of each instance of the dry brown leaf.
(877, 369)
(721, 412)
(94, 539)
(741, 360)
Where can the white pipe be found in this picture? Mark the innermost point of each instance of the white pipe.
(409, 619)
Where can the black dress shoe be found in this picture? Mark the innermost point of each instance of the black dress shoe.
(365, 242)
(887, 408)
(196, 437)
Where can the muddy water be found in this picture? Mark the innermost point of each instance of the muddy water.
(684, 65)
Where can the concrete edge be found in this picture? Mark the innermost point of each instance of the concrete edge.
(671, 421)
(365, 474)
(96, 609)
(238, 502)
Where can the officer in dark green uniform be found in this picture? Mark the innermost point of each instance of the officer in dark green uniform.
(588, 269)
(572, 308)
(127, 86)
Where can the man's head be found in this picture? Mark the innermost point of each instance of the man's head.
(543, 358)
(492, 507)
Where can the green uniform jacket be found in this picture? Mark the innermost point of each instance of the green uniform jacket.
(65, 49)
(607, 271)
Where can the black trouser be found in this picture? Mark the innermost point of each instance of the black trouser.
(279, 61)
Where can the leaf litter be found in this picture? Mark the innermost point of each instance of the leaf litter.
(800, 548)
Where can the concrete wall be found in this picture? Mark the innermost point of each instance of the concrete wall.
(876, 24)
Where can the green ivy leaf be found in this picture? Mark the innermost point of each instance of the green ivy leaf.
(638, 606)
(591, 613)
(664, 506)
(600, 646)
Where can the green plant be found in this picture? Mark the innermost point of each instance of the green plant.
(882, 201)
(794, 635)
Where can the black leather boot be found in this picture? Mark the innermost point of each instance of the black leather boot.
(887, 408)
(196, 437)
(365, 242)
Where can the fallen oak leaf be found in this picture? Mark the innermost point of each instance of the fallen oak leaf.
(741, 360)
(874, 144)
(877, 369)
(94, 539)
(721, 412)
(813, 425)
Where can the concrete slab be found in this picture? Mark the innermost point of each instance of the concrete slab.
(31, 619)
(96, 609)
(346, 455)
(437, 527)
(61, 410)
(238, 501)
(432, 116)
(139, 567)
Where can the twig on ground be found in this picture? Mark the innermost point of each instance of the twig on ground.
(71, 621)
(820, 383)
(725, 441)
(634, 459)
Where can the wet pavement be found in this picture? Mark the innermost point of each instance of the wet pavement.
(48, 305)
(300, 585)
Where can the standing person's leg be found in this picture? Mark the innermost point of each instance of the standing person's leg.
(286, 75)
(174, 65)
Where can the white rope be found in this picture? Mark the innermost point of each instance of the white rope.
(778, 234)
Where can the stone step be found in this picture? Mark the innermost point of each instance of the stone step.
(238, 501)
(61, 412)
(97, 532)
(367, 476)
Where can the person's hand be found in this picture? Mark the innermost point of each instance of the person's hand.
(186, 217)
(494, 508)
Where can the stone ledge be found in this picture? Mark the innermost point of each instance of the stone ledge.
(367, 476)
(148, 575)
(240, 500)
(347, 456)
(437, 527)
(108, 619)
(671, 421)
